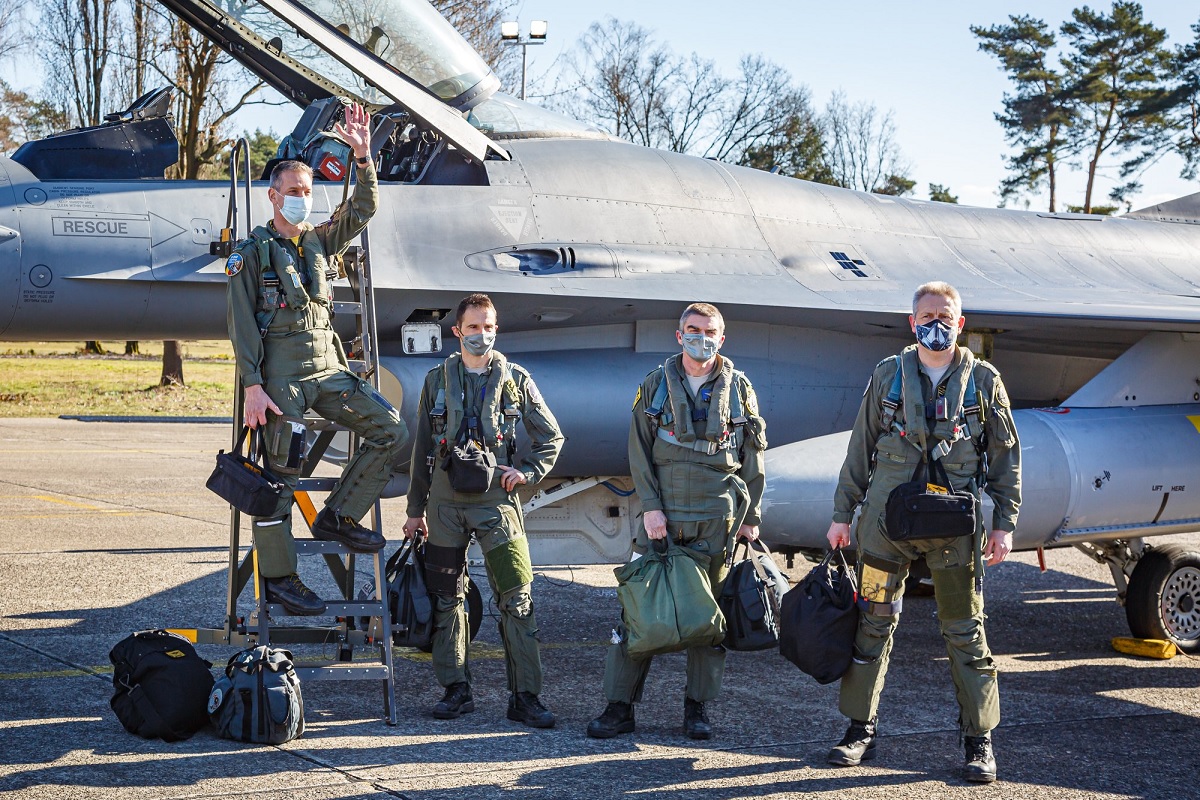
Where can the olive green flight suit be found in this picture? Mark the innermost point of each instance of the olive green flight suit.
(280, 301)
(502, 396)
(706, 476)
(877, 461)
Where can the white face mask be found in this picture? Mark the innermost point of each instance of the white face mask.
(296, 209)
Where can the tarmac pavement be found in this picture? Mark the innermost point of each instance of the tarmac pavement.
(106, 528)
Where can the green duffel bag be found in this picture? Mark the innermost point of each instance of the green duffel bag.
(667, 603)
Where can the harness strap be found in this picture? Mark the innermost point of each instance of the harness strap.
(699, 445)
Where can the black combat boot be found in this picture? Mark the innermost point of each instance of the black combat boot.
(456, 702)
(856, 746)
(695, 721)
(330, 527)
(616, 719)
(294, 596)
(980, 766)
(525, 707)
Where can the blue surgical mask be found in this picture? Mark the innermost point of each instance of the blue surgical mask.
(296, 209)
(699, 346)
(936, 335)
(479, 344)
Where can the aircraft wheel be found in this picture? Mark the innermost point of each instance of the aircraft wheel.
(474, 612)
(1164, 597)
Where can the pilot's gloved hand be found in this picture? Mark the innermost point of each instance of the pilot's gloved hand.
(838, 535)
(258, 403)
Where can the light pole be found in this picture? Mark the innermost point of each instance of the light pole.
(510, 33)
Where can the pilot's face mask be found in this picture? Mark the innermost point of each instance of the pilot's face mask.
(479, 344)
(935, 335)
(699, 346)
(296, 209)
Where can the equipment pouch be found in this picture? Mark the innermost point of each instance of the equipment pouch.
(931, 509)
(470, 466)
(288, 445)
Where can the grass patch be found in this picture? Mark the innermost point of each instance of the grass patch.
(48, 379)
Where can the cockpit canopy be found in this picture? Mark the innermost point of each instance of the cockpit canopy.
(409, 35)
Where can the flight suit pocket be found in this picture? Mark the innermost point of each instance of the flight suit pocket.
(288, 445)
(1004, 430)
(895, 450)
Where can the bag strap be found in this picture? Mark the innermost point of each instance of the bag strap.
(400, 556)
(150, 714)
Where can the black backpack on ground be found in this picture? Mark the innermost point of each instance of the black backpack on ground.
(161, 685)
(258, 698)
(408, 600)
(820, 620)
(750, 600)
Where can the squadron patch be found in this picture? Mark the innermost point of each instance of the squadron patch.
(638, 397)
(1001, 396)
(751, 403)
(234, 265)
(535, 396)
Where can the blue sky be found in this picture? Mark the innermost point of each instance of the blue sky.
(917, 59)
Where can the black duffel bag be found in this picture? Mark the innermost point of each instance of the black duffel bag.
(751, 598)
(932, 509)
(409, 603)
(245, 483)
(161, 685)
(819, 620)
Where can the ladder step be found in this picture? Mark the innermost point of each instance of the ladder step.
(316, 485)
(346, 307)
(358, 366)
(311, 546)
(343, 672)
(337, 608)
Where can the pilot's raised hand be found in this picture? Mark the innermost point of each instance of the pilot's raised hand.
(357, 131)
(258, 403)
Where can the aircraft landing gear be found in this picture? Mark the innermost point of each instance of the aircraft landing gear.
(1163, 600)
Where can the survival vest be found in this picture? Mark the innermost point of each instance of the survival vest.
(281, 283)
(496, 427)
(723, 416)
(960, 394)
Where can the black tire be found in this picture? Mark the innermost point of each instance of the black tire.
(1164, 597)
(474, 613)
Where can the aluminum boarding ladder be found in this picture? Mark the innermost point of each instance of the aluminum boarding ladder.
(348, 633)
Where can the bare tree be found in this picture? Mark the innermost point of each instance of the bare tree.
(622, 79)
(12, 32)
(74, 37)
(861, 149)
(479, 23)
(757, 105)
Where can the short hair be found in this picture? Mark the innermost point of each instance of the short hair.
(703, 310)
(941, 289)
(284, 167)
(477, 300)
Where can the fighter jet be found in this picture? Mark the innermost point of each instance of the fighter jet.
(591, 247)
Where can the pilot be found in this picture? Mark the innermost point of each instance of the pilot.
(289, 359)
(933, 400)
(464, 476)
(696, 445)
